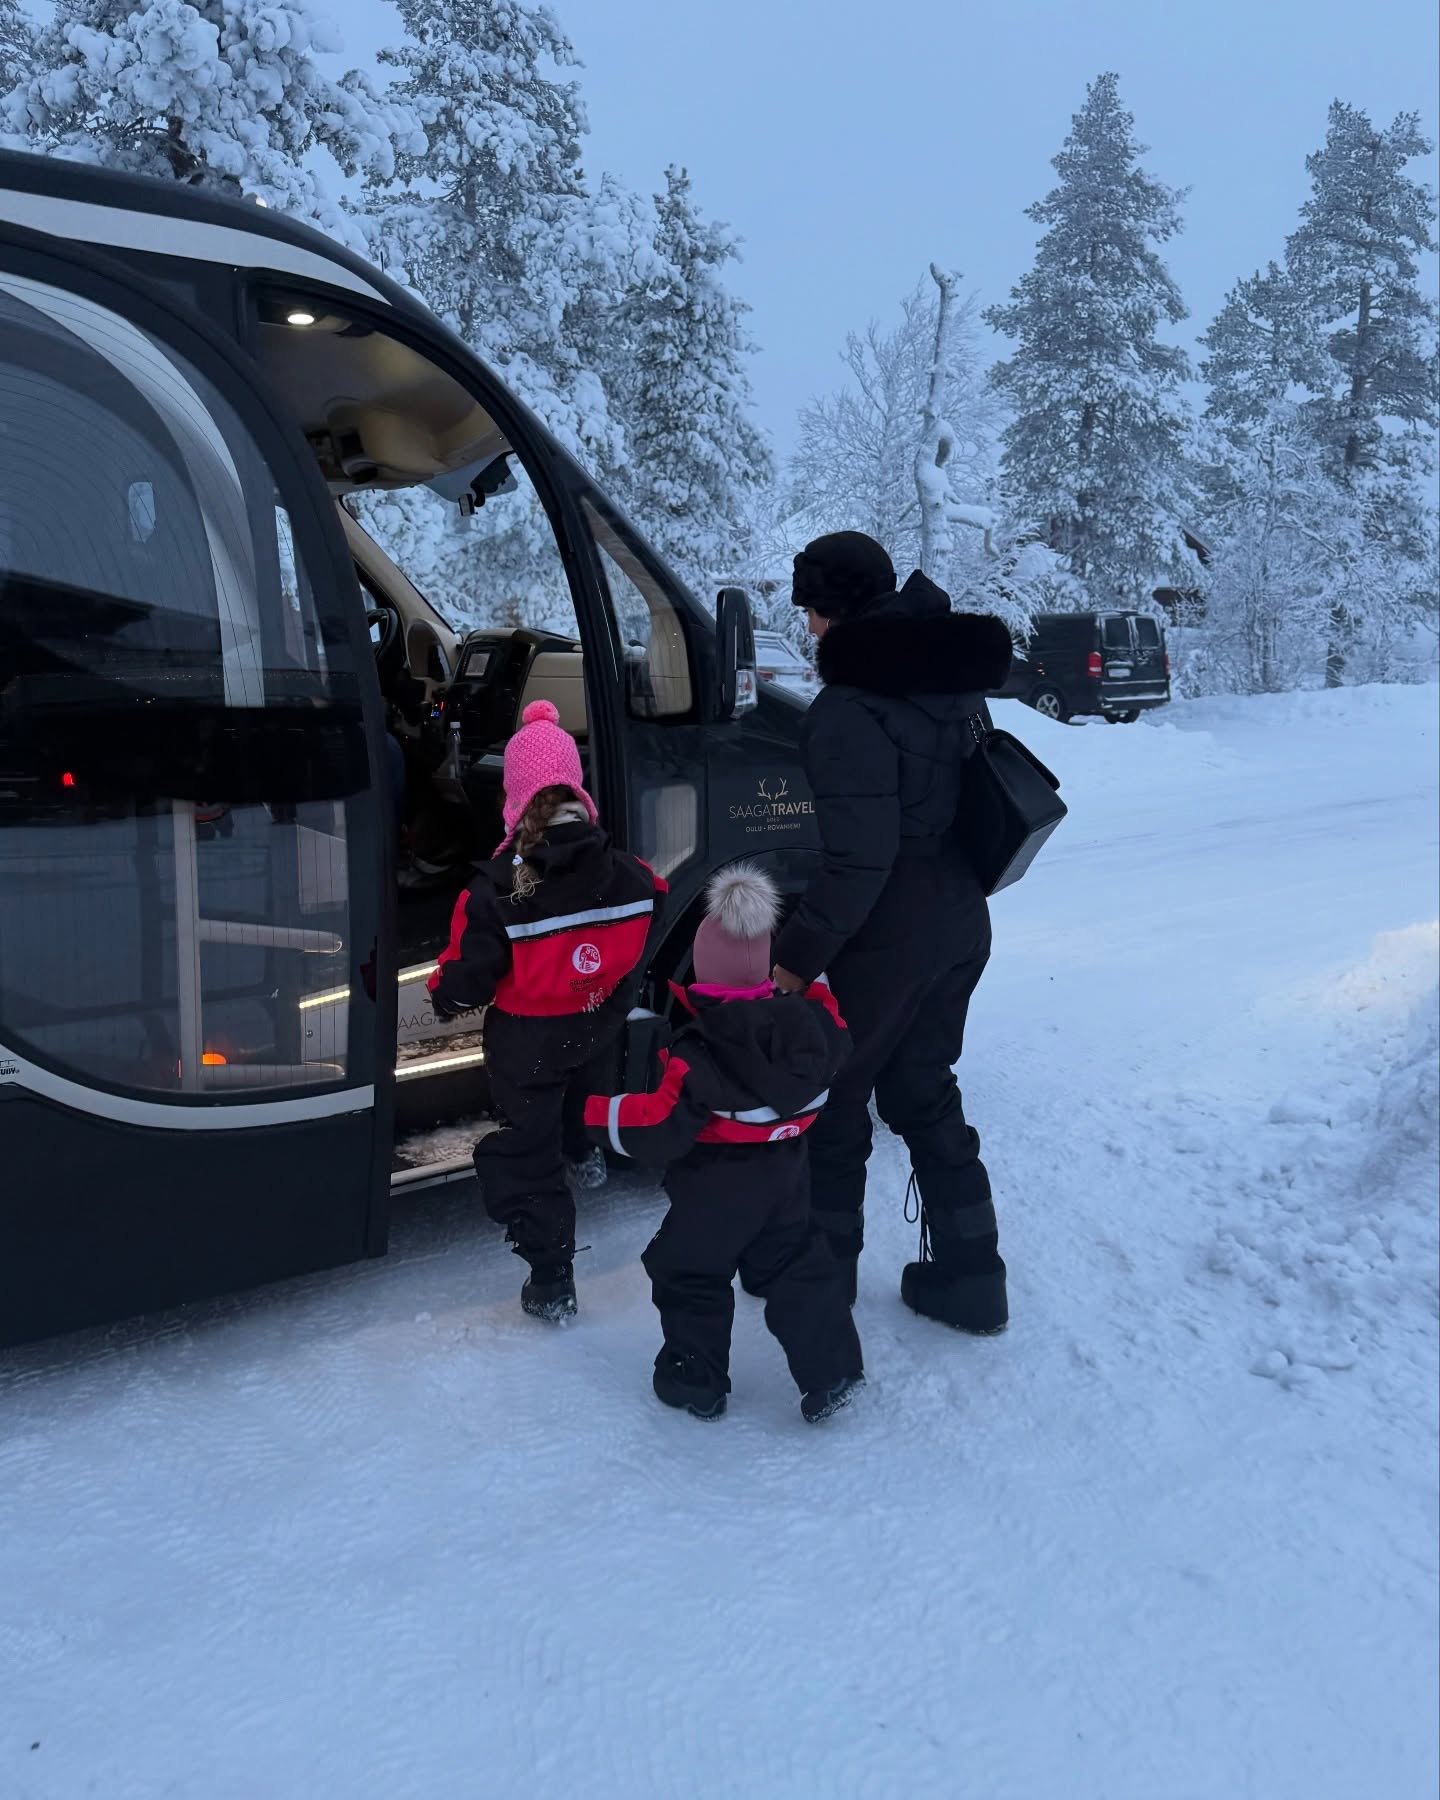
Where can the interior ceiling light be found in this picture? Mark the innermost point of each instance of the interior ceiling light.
(299, 317)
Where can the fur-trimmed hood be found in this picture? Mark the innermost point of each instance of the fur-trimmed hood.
(913, 644)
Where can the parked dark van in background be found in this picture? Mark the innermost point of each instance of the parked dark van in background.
(1113, 665)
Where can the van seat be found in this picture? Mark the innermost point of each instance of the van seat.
(559, 677)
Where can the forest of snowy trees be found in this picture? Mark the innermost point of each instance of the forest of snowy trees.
(1273, 493)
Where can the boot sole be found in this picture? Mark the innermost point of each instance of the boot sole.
(711, 1417)
(975, 1331)
(553, 1312)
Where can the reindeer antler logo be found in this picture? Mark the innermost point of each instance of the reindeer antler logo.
(779, 794)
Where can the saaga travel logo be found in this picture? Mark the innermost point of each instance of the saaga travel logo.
(586, 959)
(772, 809)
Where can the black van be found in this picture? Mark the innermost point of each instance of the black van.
(1072, 664)
(215, 1043)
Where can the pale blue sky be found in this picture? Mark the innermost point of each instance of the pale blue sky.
(852, 141)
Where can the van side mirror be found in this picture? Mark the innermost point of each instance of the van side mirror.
(735, 652)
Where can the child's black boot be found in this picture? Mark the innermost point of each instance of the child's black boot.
(681, 1381)
(822, 1402)
(549, 1292)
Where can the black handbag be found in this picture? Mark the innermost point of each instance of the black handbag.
(1009, 805)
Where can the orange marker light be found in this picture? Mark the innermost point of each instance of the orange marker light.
(212, 1059)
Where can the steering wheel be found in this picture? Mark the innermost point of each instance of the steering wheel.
(390, 646)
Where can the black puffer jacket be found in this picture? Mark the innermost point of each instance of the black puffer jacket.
(884, 746)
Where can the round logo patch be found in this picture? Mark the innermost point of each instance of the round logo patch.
(586, 959)
(782, 1132)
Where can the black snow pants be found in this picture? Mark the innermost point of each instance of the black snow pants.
(904, 985)
(541, 1071)
(735, 1207)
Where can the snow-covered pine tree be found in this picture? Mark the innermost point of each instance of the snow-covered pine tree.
(1280, 543)
(16, 33)
(1096, 451)
(223, 93)
(1355, 258)
(696, 455)
(492, 223)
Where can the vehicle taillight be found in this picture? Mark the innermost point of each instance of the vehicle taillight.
(1094, 668)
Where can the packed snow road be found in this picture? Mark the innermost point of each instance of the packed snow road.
(1174, 1536)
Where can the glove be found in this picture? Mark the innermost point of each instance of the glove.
(446, 1009)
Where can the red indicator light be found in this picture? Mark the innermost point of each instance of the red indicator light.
(67, 779)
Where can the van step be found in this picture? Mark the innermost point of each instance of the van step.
(428, 1175)
(442, 1152)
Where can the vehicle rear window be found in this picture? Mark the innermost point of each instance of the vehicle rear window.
(1147, 634)
(1115, 633)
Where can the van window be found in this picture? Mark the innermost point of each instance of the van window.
(1147, 633)
(1115, 633)
(1055, 632)
(178, 737)
(658, 684)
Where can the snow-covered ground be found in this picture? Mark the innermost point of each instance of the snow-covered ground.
(1174, 1536)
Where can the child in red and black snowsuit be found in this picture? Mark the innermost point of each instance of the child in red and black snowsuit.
(551, 936)
(742, 1085)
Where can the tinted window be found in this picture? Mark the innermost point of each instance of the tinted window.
(1063, 631)
(1147, 633)
(178, 734)
(1115, 633)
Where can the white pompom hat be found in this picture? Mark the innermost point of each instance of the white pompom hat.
(732, 946)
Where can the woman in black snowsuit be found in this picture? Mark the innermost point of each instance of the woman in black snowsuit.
(894, 911)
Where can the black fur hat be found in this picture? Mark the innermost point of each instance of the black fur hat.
(842, 574)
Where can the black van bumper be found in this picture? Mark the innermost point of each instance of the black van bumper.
(1115, 698)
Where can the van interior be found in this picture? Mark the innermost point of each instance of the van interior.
(381, 419)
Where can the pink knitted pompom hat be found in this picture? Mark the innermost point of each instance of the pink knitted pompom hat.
(540, 755)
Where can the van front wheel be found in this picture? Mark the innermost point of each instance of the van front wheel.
(1050, 704)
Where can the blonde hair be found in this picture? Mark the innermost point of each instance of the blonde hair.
(535, 821)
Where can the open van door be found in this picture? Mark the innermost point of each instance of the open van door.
(192, 852)
(713, 764)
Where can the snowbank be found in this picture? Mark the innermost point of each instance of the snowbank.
(1338, 1230)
